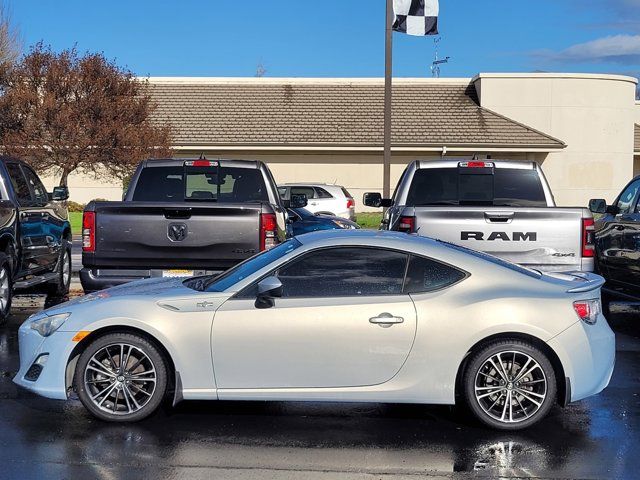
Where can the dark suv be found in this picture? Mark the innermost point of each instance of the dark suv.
(618, 241)
(35, 234)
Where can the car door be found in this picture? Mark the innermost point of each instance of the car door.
(325, 202)
(630, 252)
(343, 321)
(35, 250)
(51, 226)
(615, 258)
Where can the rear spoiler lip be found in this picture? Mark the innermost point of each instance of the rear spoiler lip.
(592, 281)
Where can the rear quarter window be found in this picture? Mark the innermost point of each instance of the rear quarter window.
(426, 275)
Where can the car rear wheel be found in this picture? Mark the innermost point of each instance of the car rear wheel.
(121, 377)
(509, 385)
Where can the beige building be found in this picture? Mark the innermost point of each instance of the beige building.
(583, 129)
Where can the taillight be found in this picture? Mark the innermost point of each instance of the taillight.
(587, 310)
(475, 164)
(268, 231)
(89, 232)
(351, 203)
(588, 237)
(407, 224)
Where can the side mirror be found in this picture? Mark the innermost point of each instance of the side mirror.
(268, 289)
(60, 194)
(598, 205)
(298, 200)
(375, 200)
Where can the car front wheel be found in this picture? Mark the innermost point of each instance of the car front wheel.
(509, 385)
(121, 377)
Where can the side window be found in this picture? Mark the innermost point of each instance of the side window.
(425, 275)
(344, 272)
(308, 191)
(322, 193)
(19, 182)
(36, 185)
(282, 191)
(625, 203)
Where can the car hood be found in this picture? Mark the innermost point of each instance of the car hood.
(153, 287)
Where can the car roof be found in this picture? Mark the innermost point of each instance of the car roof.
(366, 237)
(453, 163)
(309, 184)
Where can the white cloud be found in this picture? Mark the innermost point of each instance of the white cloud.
(619, 49)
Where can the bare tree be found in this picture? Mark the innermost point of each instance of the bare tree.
(62, 113)
(10, 39)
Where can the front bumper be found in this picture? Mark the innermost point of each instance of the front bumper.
(588, 354)
(51, 382)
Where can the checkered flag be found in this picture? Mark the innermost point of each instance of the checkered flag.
(416, 17)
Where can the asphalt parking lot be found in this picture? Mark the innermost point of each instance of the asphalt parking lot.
(595, 438)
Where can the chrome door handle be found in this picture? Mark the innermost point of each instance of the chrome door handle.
(386, 320)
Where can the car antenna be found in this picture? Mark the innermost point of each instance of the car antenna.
(202, 157)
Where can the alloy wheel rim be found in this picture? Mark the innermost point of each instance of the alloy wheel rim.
(66, 268)
(510, 386)
(120, 379)
(4, 288)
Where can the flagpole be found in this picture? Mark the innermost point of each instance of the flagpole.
(388, 72)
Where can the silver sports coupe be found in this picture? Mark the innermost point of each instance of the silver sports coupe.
(332, 316)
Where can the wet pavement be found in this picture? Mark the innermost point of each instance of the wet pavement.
(595, 438)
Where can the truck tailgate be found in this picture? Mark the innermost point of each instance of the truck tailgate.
(163, 235)
(538, 237)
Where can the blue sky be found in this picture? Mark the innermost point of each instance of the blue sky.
(337, 37)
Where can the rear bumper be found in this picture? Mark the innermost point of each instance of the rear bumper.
(587, 353)
(94, 279)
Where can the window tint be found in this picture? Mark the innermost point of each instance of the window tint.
(341, 272)
(424, 275)
(214, 184)
(322, 193)
(626, 201)
(308, 191)
(19, 183)
(455, 186)
(38, 189)
(346, 192)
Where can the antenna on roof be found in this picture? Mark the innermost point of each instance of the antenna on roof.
(435, 65)
(202, 157)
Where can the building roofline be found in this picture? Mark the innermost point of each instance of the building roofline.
(300, 81)
(579, 76)
(371, 148)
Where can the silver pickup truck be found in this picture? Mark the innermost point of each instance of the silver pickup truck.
(504, 208)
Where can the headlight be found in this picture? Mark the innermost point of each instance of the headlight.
(341, 224)
(45, 326)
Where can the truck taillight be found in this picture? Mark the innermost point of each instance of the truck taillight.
(588, 237)
(351, 203)
(89, 232)
(268, 231)
(407, 224)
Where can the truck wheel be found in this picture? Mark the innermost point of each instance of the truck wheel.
(60, 286)
(121, 377)
(509, 385)
(6, 288)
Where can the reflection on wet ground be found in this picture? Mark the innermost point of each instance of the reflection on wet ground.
(596, 438)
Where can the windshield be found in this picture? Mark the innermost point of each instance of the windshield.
(243, 270)
(493, 259)
(209, 184)
(507, 187)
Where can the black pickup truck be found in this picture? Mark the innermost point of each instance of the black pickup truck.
(35, 234)
(180, 218)
(617, 233)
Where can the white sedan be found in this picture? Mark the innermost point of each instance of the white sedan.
(332, 316)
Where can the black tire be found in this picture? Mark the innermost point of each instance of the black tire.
(117, 404)
(60, 286)
(6, 288)
(481, 379)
